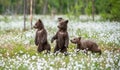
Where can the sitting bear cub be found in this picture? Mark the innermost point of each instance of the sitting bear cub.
(41, 37)
(87, 45)
(61, 37)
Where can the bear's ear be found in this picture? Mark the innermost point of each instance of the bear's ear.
(79, 38)
(66, 21)
(40, 20)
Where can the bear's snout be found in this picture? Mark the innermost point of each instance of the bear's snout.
(58, 26)
(72, 41)
(34, 26)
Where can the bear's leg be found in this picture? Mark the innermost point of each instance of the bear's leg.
(99, 51)
(64, 50)
(39, 49)
(56, 50)
(96, 50)
(48, 48)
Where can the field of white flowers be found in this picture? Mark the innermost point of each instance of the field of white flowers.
(18, 51)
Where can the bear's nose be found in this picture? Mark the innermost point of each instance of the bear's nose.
(34, 26)
(58, 26)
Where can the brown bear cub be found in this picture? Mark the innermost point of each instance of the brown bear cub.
(87, 45)
(41, 37)
(61, 37)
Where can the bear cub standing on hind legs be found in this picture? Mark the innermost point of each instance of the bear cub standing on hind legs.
(61, 37)
(41, 37)
(87, 45)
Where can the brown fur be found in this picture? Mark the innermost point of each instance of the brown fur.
(87, 45)
(41, 37)
(61, 37)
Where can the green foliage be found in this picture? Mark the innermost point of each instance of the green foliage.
(3, 50)
(5, 19)
(88, 9)
(23, 67)
(110, 9)
(19, 49)
(31, 51)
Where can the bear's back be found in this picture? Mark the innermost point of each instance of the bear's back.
(87, 43)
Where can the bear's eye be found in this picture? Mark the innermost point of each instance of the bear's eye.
(36, 25)
(74, 39)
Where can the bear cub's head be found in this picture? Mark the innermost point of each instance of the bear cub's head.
(63, 25)
(76, 40)
(39, 25)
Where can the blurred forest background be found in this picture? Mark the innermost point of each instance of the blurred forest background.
(107, 9)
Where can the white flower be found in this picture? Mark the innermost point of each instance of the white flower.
(119, 63)
(33, 57)
(21, 51)
(108, 65)
(2, 63)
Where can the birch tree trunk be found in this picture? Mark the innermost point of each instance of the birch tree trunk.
(45, 6)
(31, 16)
(24, 14)
(93, 10)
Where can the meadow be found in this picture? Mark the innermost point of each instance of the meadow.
(18, 51)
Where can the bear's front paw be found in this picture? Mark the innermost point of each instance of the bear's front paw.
(66, 46)
(36, 43)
